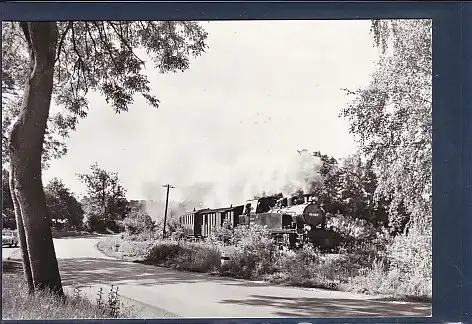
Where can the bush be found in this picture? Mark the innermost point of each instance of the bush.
(405, 270)
(222, 235)
(305, 267)
(124, 248)
(95, 223)
(185, 255)
(410, 255)
(145, 236)
(299, 264)
(174, 230)
(354, 228)
(251, 251)
(138, 222)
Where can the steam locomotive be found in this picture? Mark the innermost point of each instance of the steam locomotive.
(291, 221)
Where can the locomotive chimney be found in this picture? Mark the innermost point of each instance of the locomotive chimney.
(289, 201)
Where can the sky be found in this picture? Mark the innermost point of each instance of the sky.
(232, 123)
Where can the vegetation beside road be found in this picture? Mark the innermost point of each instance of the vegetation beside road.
(380, 265)
(70, 233)
(18, 304)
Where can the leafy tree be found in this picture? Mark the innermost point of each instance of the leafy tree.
(357, 184)
(138, 221)
(391, 117)
(64, 61)
(107, 196)
(348, 188)
(137, 205)
(65, 211)
(328, 191)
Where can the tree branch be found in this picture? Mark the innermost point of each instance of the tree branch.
(103, 39)
(81, 64)
(91, 37)
(61, 41)
(124, 41)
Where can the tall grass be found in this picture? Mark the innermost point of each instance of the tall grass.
(126, 246)
(404, 271)
(189, 256)
(18, 304)
(370, 261)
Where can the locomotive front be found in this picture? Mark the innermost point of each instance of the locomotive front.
(310, 216)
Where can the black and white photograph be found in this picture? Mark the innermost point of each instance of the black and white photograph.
(216, 169)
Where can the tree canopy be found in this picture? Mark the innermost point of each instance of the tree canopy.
(94, 56)
(65, 210)
(106, 198)
(391, 117)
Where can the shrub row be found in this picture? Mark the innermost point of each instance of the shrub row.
(374, 263)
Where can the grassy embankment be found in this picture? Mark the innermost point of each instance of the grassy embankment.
(397, 269)
(18, 304)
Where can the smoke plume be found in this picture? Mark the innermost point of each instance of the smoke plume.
(253, 176)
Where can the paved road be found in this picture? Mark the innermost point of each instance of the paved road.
(160, 292)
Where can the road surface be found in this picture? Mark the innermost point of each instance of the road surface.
(159, 292)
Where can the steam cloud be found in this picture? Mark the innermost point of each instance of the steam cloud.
(213, 186)
(251, 176)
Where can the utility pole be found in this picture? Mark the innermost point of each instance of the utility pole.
(168, 186)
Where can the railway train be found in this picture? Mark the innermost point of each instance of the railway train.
(291, 221)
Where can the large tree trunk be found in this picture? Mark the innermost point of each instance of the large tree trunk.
(26, 145)
(21, 236)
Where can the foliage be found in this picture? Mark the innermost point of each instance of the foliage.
(111, 306)
(379, 265)
(126, 248)
(327, 191)
(357, 183)
(185, 256)
(348, 188)
(391, 118)
(106, 201)
(138, 222)
(411, 257)
(65, 211)
(250, 250)
(174, 230)
(95, 56)
(69, 233)
(222, 235)
(18, 304)
(399, 266)
(308, 267)
(350, 227)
